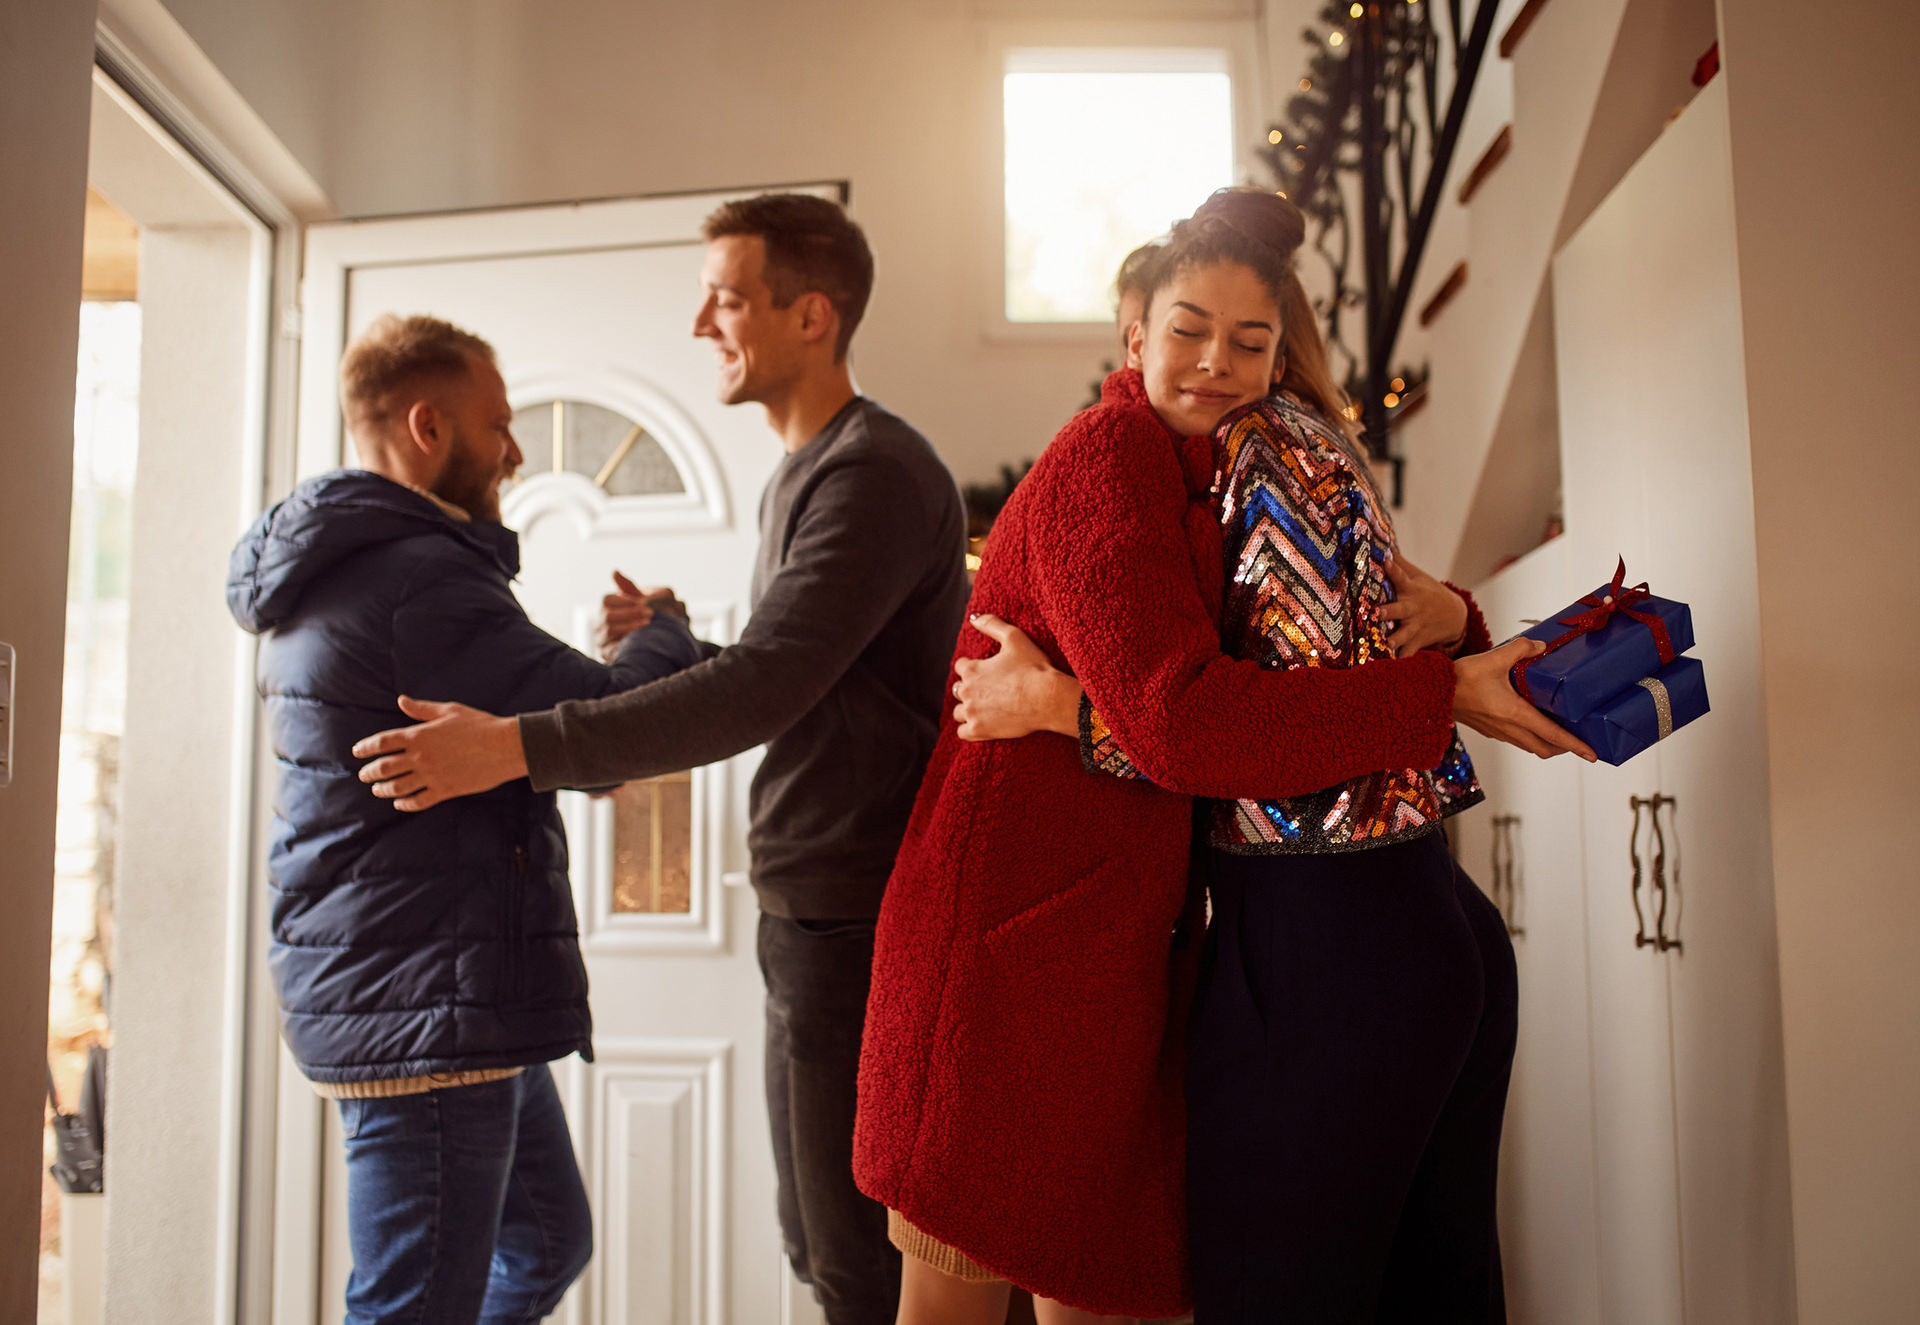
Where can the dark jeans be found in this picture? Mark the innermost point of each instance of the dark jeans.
(463, 1204)
(1351, 1045)
(817, 972)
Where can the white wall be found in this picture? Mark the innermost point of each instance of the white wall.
(45, 55)
(1826, 187)
(440, 104)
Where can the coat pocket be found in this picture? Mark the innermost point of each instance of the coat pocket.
(1053, 917)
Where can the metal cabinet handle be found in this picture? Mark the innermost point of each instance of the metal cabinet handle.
(1640, 937)
(1659, 940)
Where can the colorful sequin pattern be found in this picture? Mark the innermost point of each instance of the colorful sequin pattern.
(1307, 546)
(1100, 748)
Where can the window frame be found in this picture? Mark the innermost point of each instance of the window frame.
(1235, 40)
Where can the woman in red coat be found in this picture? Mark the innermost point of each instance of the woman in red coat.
(1020, 1084)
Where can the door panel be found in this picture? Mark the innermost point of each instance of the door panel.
(1605, 456)
(1524, 848)
(1670, 227)
(590, 309)
(1655, 425)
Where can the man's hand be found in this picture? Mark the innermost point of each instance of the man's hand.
(454, 751)
(622, 612)
(628, 608)
(1486, 701)
(1429, 613)
(1014, 692)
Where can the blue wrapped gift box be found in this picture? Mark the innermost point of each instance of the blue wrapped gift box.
(1649, 710)
(1590, 669)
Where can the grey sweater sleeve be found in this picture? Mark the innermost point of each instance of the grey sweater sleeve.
(842, 580)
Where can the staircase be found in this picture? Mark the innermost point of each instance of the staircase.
(1584, 86)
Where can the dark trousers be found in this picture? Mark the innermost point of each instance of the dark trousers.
(463, 1204)
(817, 973)
(1351, 1044)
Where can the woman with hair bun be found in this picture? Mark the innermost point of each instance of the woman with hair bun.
(1021, 1110)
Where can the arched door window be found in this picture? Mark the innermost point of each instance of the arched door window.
(613, 452)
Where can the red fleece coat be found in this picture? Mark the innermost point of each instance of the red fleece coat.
(1020, 1088)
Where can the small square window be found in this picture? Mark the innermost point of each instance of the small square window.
(1104, 150)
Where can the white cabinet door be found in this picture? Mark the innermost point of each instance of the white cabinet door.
(1695, 1221)
(1523, 847)
(1606, 452)
(631, 463)
(1669, 232)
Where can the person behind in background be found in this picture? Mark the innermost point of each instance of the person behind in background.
(1020, 1087)
(427, 967)
(1130, 289)
(857, 597)
(1351, 1042)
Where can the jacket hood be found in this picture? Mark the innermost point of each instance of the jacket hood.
(332, 517)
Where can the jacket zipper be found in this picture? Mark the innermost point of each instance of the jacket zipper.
(516, 903)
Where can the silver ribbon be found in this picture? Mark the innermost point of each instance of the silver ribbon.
(1662, 704)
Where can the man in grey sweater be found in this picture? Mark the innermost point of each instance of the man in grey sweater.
(858, 593)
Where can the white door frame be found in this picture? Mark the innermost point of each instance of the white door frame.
(147, 63)
(332, 254)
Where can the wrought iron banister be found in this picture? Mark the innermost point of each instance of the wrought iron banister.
(1378, 70)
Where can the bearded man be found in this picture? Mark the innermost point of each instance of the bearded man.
(427, 966)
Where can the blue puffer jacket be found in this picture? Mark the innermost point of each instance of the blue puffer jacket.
(407, 944)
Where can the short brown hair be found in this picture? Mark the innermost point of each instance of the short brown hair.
(813, 246)
(397, 353)
(1136, 273)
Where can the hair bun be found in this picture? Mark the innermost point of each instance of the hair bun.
(1259, 214)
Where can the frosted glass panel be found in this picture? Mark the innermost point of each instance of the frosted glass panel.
(653, 846)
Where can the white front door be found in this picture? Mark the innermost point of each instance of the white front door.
(631, 464)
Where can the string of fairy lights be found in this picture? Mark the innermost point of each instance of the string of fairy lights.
(1287, 154)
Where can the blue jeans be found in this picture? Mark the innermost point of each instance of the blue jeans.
(464, 1205)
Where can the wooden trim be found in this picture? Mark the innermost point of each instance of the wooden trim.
(1496, 153)
(1450, 287)
(1518, 28)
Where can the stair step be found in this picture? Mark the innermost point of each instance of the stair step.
(1518, 28)
(1496, 153)
(1455, 282)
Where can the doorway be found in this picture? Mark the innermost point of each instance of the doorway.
(151, 967)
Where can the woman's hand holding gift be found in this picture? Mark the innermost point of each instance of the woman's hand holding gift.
(1485, 700)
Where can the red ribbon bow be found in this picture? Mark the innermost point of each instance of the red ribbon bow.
(1602, 608)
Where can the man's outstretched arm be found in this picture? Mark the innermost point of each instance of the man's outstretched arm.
(844, 578)
(453, 751)
(525, 666)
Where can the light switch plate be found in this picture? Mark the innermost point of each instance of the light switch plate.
(6, 714)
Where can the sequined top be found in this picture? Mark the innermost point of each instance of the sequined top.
(1306, 543)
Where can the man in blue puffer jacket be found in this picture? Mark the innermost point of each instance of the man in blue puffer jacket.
(427, 965)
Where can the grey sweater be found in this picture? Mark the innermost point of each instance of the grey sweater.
(841, 670)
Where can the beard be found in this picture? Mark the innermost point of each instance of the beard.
(470, 481)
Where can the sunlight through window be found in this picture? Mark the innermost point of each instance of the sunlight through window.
(1104, 150)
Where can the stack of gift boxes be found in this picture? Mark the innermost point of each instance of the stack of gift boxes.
(1613, 673)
